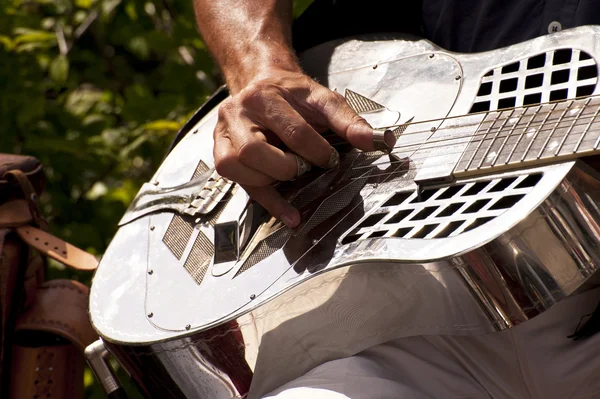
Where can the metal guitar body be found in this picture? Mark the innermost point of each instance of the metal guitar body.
(222, 301)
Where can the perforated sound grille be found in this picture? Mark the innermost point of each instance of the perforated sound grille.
(554, 75)
(361, 103)
(199, 258)
(266, 248)
(180, 232)
(443, 212)
(177, 235)
(200, 169)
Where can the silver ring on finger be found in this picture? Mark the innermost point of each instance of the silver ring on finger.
(302, 165)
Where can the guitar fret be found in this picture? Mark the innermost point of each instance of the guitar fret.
(508, 136)
(520, 137)
(562, 142)
(536, 133)
(586, 129)
(468, 165)
(532, 135)
(596, 143)
(553, 130)
(485, 154)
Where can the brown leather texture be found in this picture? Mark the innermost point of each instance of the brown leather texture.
(44, 326)
(60, 308)
(26, 163)
(47, 372)
(15, 213)
(11, 254)
(57, 249)
(30, 166)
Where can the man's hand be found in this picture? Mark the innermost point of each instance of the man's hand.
(275, 111)
(281, 107)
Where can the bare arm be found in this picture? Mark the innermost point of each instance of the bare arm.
(273, 102)
(247, 37)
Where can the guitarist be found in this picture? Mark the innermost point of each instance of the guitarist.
(274, 102)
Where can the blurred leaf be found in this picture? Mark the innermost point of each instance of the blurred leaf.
(139, 46)
(7, 42)
(88, 378)
(300, 6)
(162, 125)
(131, 11)
(59, 69)
(83, 3)
(108, 6)
(125, 193)
(29, 36)
(30, 47)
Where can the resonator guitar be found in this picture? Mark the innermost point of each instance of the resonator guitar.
(484, 215)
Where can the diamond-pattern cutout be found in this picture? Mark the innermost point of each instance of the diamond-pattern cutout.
(555, 75)
(443, 212)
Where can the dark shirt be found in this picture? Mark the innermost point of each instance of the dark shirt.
(456, 25)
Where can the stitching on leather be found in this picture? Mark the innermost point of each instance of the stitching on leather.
(66, 286)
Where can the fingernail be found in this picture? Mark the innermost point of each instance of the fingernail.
(384, 140)
(334, 159)
(289, 220)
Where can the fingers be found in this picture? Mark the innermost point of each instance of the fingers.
(228, 165)
(240, 144)
(286, 108)
(278, 116)
(274, 203)
(344, 121)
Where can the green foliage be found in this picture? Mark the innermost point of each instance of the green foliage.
(96, 90)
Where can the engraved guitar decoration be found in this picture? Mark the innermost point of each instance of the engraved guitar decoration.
(481, 217)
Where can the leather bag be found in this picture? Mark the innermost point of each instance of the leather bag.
(44, 325)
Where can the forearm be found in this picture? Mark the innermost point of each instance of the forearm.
(247, 37)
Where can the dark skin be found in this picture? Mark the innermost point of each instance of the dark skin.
(272, 101)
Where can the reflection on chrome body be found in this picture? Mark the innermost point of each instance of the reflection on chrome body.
(549, 255)
(198, 197)
(376, 257)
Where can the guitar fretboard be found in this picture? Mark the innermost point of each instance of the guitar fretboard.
(538, 134)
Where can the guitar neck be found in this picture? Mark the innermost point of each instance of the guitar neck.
(521, 137)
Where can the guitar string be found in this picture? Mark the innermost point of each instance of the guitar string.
(410, 159)
(585, 120)
(430, 145)
(421, 146)
(510, 153)
(540, 107)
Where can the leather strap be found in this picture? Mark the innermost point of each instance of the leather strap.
(15, 213)
(30, 196)
(47, 372)
(57, 249)
(60, 308)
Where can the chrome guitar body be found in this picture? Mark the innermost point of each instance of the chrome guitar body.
(477, 221)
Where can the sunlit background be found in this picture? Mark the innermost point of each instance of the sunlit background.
(96, 89)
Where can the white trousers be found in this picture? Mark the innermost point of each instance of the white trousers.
(534, 360)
